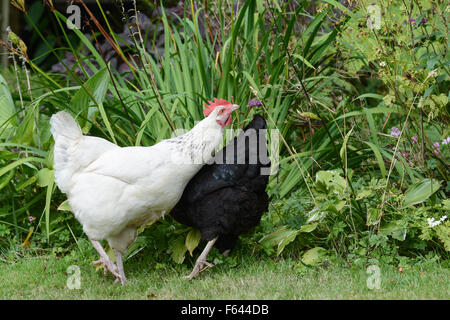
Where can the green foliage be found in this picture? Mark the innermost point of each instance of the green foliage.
(384, 235)
(420, 191)
(360, 111)
(314, 256)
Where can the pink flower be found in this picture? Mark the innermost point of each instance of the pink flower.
(414, 139)
(446, 141)
(436, 150)
(31, 218)
(395, 132)
(255, 103)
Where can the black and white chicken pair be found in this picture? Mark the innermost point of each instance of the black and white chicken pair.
(112, 191)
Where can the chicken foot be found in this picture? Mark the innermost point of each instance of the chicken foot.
(105, 260)
(201, 264)
(122, 277)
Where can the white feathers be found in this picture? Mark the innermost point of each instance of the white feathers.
(73, 151)
(113, 190)
(64, 125)
(66, 133)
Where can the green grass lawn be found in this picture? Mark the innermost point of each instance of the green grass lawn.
(44, 277)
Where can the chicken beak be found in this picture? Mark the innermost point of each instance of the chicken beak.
(233, 107)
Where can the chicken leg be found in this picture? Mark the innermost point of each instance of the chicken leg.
(119, 261)
(201, 263)
(105, 260)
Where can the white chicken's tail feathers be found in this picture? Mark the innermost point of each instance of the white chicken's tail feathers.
(62, 124)
(67, 133)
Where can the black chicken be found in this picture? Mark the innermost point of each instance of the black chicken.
(227, 198)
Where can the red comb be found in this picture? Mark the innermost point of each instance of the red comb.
(212, 105)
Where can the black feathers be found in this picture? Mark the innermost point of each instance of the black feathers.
(228, 198)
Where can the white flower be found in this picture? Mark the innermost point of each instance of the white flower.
(432, 73)
(382, 64)
(433, 223)
(446, 141)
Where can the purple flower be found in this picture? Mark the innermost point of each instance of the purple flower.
(436, 145)
(437, 151)
(423, 21)
(395, 132)
(255, 103)
(412, 21)
(446, 141)
(31, 218)
(414, 139)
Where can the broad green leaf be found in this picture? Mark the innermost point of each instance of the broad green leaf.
(315, 214)
(280, 238)
(314, 256)
(330, 181)
(65, 206)
(24, 133)
(420, 191)
(308, 227)
(92, 115)
(372, 216)
(7, 109)
(399, 234)
(91, 93)
(45, 177)
(192, 240)
(395, 229)
(177, 249)
(288, 238)
(363, 193)
(340, 205)
(333, 207)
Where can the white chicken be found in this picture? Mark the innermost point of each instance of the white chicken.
(112, 191)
